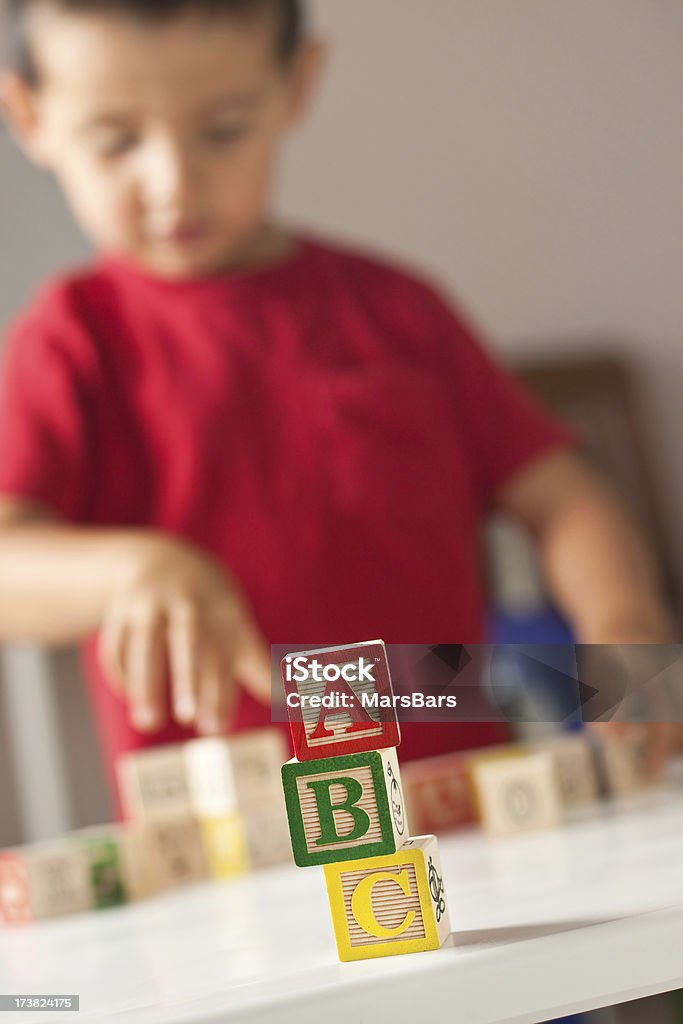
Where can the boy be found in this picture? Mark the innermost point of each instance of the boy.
(224, 433)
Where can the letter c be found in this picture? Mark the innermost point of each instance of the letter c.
(361, 904)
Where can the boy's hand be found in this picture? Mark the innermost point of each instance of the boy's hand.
(663, 740)
(181, 623)
(658, 688)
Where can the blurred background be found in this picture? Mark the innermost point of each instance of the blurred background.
(529, 156)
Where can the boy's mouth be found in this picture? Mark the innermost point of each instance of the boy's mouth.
(185, 234)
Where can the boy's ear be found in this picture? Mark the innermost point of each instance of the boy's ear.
(19, 108)
(306, 72)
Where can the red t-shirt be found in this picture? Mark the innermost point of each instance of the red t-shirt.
(327, 427)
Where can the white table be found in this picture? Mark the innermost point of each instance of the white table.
(555, 923)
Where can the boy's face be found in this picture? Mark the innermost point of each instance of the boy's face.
(163, 137)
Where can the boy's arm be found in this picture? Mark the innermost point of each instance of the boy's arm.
(157, 601)
(596, 561)
(55, 580)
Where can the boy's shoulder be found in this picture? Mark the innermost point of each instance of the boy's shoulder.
(59, 305)
(375, 268)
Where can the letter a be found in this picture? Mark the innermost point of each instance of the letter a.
(360, 718)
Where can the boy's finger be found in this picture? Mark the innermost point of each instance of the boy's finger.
(251, 661)
(144, 670)
(111, 647)
(183, 650)
(217, 693)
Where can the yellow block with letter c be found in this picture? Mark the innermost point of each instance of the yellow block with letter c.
(348, 916)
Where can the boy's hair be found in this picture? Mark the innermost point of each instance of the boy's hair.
(15, 16)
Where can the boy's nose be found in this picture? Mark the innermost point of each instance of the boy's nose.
(169, 177)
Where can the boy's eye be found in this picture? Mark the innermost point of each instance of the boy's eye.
(115, 145)
(226, 133)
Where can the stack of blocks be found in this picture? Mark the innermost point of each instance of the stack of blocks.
(216, 800)
(345, 805)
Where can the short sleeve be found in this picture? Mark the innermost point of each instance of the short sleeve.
(46, 405)
(504, 427)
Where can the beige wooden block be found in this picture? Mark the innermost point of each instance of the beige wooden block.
(624, 761)
(153, 783)
(162, 854)
(44, 880)
(487, 755)
(576, 769)
(383, 906)
(520, 794)
(178, 851)
(140, 863)
(211, 777)
(268, 839)
(257, 757)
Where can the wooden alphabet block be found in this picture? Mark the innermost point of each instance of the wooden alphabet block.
(340, 700)
(44, 880)
(142, 872)
(519, 794)
(225, 845)
(575, 767)
(389, 905)
(257, 757)
(164, 854)
(178, 845)
(210, 777)
(341, 808)
(153, 783)
(268, 839)
(488, 755)
(622, 761)
(438, 793)
(102, 847)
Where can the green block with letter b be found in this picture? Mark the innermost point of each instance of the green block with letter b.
(343, 808)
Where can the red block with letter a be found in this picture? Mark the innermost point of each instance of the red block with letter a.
(340, 701)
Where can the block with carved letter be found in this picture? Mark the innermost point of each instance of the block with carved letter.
(153, 783)
(44, 880)
(102, 845)
(164, 854)
(389, 905)
(487, 755)
(257, 756)
(340, 701)
(623, 760)
(268, 839)
(142, 876)
(438, 793)
(341, 808)
(575, 767)
(519, 794)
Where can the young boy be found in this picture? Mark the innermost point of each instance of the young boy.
(224, 433)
